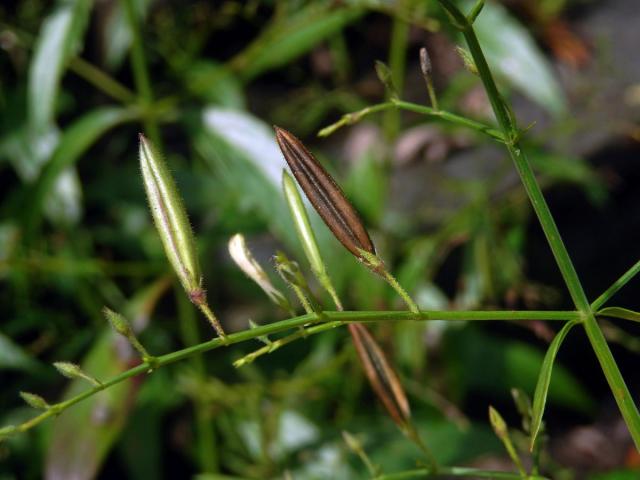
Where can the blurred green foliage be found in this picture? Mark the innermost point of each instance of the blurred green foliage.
(75, 235)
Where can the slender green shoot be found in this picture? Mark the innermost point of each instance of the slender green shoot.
(442, 115)
(512, 135)
(617, 285)
(544, 380)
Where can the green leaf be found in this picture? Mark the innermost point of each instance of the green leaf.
(243, 151)
(117, 35)
(75, 141)
(513, 54)
(13, 357)
(82, 436)
(484, 363)
(570, 169)
(367, 187)
(544, 379)
(619, 312)
(214, 83)
(60, 38)
(291, 34)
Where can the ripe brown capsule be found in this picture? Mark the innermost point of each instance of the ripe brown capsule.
(326, 196)
(382, 377)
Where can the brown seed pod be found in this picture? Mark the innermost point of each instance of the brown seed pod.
(326, 196)
(382, 377)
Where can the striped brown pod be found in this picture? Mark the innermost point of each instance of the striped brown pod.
(382, 377)
(326, 196)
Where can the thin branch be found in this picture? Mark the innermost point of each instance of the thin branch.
(617, 285)
(512, 135)
(354, 117)
(330, 319)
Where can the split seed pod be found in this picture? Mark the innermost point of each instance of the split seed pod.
(171, 220)
(245, 260)
(383, 378)
(327, 198)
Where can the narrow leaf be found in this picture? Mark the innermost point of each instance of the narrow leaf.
(544, 379)
(513, 54)
(325, 196)
(619, 312)
(13, 357)
(82, 436)
(382, 377)
(617, 285)
(59, 39)
(290, 35)
(74, 142)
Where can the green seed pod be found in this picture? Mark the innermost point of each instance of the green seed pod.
(303, 226)
(171, 220)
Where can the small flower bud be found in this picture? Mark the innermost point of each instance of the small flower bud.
(425, 62)
(386, 77)
(122, 326)
(35, 401)
(498, 423)
(73, 371)
(467, 59)
(289, 271)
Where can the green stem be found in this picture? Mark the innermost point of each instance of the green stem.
(391, 280)
(511, 134)
(205, 434)
(455, 472)
(101, 80)
(213, 320)
(295, 322)
(141, 75)
(281, 342)
(452, 118)
(397, 64)
(617, 285)
(354, 117)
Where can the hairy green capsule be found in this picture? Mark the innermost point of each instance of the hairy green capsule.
(326, 196)
(171, 220)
